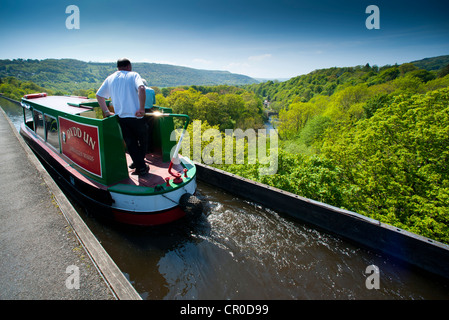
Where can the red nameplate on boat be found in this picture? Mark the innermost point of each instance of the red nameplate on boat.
(80, 143)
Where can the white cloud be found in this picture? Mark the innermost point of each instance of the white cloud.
(246, 65)
(237, 65)
(249, 66)
(202, 61)
(260, 57)
(162, 62)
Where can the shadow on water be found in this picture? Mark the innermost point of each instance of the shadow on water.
(240, 250)
(138, 251)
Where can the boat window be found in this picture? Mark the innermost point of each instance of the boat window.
(38, 119)
(28, 117)
(51, 127)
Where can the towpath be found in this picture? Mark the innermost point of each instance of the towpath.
(46, 251)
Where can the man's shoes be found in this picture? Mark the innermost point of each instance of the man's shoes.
(142, 171)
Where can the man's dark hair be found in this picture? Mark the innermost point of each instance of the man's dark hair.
(123, 63)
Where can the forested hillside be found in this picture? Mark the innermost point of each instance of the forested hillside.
(67, 75)
(15, 89)
(432, 64)
(368, 139)
(325, 82)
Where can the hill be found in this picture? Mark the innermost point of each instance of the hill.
(69, 74)
(430, 64)
(325, 82)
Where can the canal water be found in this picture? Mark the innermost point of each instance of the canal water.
(240, 250)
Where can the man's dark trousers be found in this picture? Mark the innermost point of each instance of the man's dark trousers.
(134, 132)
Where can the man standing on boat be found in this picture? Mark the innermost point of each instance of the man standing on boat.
(127, 92)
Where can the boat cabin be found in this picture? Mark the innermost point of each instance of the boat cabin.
(75, 127)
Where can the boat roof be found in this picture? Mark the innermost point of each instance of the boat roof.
(67, 104)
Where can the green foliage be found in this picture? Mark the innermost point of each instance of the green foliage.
(313, 177)
(441, 82)
(225, 106)
(314, 129)
(430, 64)
(397, 160)
(376, 102)
(15, 89)
(379, 133)
(443, 72)
(327, 81)
(293, 120)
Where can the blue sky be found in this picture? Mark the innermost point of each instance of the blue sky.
(263, 39)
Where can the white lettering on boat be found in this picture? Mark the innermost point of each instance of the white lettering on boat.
(78, 133)
(89, 141)
(81, 143)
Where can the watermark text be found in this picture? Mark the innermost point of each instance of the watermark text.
(373, 279)
(236, 146)
(73, 280)
(373, 20)
(73, 20)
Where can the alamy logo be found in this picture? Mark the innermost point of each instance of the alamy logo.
(73, 280)
(373, 280)
(72, 21)
(210, 147)
(373, 20)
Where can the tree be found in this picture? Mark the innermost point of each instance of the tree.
(293, 120)
(443, 72)
(397, 163)
(374, 103)
(346, 104)
(406, 67)
(314, 129)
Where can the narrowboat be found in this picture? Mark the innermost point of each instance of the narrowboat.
(87, 153)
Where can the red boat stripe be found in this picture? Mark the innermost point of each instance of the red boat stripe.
(149, 219)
